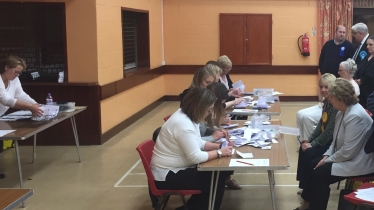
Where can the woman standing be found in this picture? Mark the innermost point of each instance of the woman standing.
(345, 157)
(365, 73)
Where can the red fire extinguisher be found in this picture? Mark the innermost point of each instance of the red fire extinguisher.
(305, 45)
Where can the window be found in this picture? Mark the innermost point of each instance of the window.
(135, 39)
(246, 38)
(36, 33)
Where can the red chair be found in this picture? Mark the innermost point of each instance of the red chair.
(351, 197)
(145, 150)
(167, 117)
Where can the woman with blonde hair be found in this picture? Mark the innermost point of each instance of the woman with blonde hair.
(345, 157)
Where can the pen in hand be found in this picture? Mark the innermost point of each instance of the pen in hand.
(244, 162)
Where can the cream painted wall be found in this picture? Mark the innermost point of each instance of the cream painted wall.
(81, 39)
(109, 36)
(116, 109)
(290, 85)
(192, 28)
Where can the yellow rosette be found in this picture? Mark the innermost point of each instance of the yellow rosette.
(324, 117)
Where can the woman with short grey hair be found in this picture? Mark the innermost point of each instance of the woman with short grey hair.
(347, 70)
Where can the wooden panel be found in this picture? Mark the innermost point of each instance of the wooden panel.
(246, 69)
(259, 39)
(232, 36)
(11, 197)
(88, 122)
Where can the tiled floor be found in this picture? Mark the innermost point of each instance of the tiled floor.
(111, 176)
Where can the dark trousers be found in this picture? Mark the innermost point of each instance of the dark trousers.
(191, 179)
(305, 158)
(317, 189)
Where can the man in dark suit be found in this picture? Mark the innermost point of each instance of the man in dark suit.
(360, 33)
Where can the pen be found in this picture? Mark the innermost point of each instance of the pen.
(244, 162)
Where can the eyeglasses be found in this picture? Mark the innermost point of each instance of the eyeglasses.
(17, 72)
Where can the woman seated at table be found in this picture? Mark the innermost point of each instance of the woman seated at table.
(345, 157)
(365, 73)
(179, 148)
(215, 121)
(11, 92)
(319, 141)
(202, 78)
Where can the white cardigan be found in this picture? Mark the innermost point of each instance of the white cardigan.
(9, 95)
(178, 146)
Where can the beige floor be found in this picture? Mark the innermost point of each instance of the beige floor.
(110, 176)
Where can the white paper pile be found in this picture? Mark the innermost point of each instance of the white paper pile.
(365, 194)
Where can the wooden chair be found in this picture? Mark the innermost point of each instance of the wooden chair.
(145, 150)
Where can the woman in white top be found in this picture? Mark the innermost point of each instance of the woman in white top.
(347, 70)
(179, 148)
(11, 92)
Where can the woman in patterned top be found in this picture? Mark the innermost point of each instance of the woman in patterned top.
(321, 138)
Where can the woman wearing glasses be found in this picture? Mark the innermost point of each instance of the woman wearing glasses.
(11, 92)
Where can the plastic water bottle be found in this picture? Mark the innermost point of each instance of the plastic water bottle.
(49, 99)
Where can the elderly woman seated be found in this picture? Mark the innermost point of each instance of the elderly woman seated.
(345, 157)
(179, 148)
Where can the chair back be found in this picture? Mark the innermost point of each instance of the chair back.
(145, 150)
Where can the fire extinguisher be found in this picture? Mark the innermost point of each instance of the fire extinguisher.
(305, 45)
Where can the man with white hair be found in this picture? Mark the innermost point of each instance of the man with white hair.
(360, 33)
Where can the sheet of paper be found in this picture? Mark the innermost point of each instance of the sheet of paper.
(289, 130)
(229, 126)
(365, 194)
(277, 93)
(245, 110)
(20, 113)
(5, 132)
(266, 147)
(274, 141)
(233, 151)
(254, 162)
(244, 155)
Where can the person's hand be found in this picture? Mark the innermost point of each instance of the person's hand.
(36, 110)
(238, 100)
(227, 120)
(218, 134)
(358, 81)
(305, 146)
(321, 162)
(231, 143)
(235, 93)
(305, 141)
(227, 151)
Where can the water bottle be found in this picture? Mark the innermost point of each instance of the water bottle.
(49, 99)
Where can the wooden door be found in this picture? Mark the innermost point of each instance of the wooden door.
(232, 37)
(259, 39)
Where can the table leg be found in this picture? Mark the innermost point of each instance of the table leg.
(19, 170)
(34, 149)
(272, 183)
(211, 192)
(72, 119)
(215, 190)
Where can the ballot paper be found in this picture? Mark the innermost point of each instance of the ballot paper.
(247, 162)
(230, 126)
(245, 111)
(239, 85)
(244, 155)
(18, 115)
(5, 132)
(365, 194)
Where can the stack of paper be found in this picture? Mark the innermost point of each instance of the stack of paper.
(365, 194)
(249, 162)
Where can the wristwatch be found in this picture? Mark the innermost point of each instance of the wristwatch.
(219, 153)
